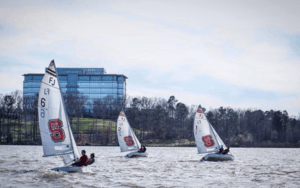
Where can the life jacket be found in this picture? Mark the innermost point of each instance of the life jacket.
(91, 161)
(225, 151)
(83, 160)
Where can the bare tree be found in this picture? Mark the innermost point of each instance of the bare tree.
(75, 106)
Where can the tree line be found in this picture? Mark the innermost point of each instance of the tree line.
(93, 121)
(158, 118)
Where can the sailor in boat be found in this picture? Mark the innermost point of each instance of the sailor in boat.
(82, 161)
(142, 149)
(225, 151)
(91, 159)
(220, 150)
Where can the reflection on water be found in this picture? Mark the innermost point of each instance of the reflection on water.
(24, 166)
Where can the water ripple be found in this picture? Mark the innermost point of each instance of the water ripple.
(24, 166)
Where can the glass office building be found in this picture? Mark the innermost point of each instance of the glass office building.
(93, 83)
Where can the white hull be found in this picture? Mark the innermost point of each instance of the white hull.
(137, 154)
(71, 169)
(218, 157)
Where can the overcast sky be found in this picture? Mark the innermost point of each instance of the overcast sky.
(239, 54)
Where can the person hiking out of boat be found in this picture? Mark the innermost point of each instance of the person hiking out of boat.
(142, 149)
(83, 159)
(221, 150)
(91, 159)
(225, 151)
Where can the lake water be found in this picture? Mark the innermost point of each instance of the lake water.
(24, 166)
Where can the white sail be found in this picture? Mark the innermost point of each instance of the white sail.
(56, 134)
(207, 139)
(219, 140)
(126, 137)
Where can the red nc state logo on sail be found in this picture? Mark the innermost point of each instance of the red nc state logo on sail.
(57, 133)
(128, 140)
(208, 141)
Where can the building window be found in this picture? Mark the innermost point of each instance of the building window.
(92, 90)
(37, 77)
(106, 90)
(63, 84)
(105, 84)
(72, 77)
(71, 89)
(30, 94)
(83, 84)
(94, 84)
(95, 78)
(28, 77)
(84, 78)
(83, 90)
(120, 85)
(107, 78)
(34, 84)
(36, 90)
(62, 78)
(72, 84)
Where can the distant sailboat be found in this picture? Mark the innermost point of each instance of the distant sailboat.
(208, 140)
(56, 133)
(127, 139)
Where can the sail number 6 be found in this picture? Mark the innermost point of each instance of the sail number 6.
(43, 102)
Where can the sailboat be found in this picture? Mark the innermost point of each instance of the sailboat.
(207, 139)
(127, 139)
(56, 133)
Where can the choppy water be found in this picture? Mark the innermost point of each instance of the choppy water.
(24, 166)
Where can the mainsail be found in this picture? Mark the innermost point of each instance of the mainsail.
(56, 134)
(126, 137)
(207, 139)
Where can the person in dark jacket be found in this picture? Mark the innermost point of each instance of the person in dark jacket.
(221, 150)
(91, 159)
(225, 151)
(82, 161)
(142, 149)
